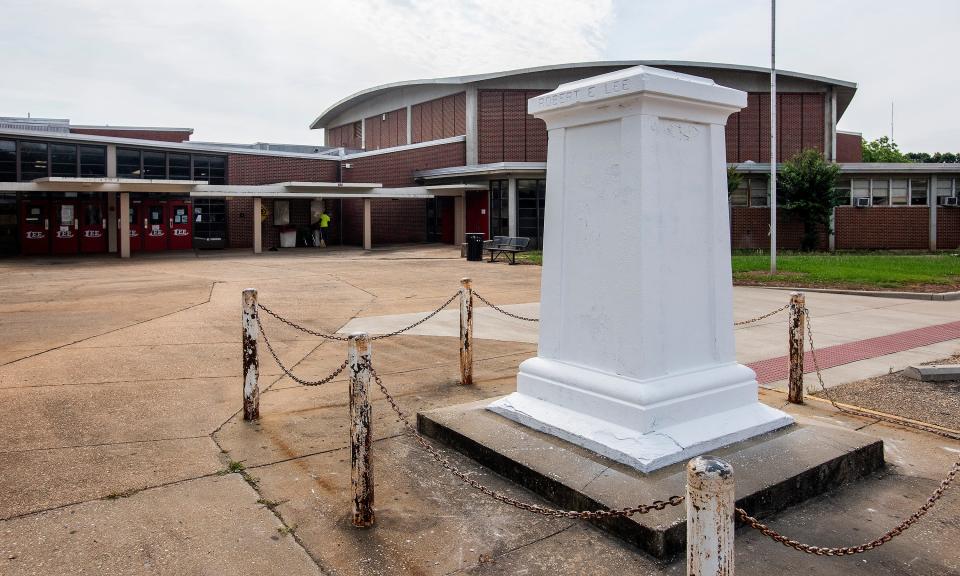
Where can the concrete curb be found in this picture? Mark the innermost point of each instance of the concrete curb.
(939, 296)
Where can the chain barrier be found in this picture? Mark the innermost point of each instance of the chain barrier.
(419, 322)
(502, 311)
(762, 317)
(287, 371)
(886, 537)
(542, 510)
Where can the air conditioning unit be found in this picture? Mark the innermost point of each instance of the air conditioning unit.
(948, 201)
(861, 202)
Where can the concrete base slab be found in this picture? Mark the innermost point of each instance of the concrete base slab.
(773, 471)
(933, 372)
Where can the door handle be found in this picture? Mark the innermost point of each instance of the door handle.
(46, 224)
(171, 222)
(103, 223)
(145, 224)
(76, 223)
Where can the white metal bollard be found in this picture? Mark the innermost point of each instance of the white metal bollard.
(710, 514)
(466, 331)
(795, 338)
(251, 363)
(361, 436)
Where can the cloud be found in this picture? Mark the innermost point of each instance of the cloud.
(245, 71)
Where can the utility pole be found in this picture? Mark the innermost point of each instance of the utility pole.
(773, 136)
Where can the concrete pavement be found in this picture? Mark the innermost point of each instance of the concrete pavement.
(121, 387)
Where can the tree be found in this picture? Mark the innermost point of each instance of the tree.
(935, 158)
(734, 179)
(808, 183)
(882, 150)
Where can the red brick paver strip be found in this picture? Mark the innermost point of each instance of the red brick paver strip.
(774, 369)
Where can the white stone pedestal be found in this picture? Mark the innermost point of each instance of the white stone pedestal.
(636, 355)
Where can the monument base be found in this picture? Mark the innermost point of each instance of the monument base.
(773, 471)
(646, 424)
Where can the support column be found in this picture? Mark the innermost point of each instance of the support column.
(112, 226)
(472, 143)
(257, 226)
(124, 216)
(932, 201)
(409, 124)
(367, 224)
(459, 220)
(512, 206)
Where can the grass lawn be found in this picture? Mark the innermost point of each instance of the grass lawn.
(868, 271)
(914, 272)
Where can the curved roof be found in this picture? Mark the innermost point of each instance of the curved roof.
(846, 92)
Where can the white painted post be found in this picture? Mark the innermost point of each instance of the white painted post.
(466, 332)
(257, 226)
(367, 224)
(124, 216)
(361, 436)
(251, 363)
(710, 513)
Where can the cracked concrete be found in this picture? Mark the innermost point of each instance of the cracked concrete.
(121, 386)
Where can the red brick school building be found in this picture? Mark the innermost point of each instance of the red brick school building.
(424, 161)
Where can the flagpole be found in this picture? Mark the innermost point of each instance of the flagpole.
(773, 136)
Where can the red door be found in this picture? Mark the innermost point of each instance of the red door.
(446, 219)
(157, 230)
(93, 225)
(137, 221)
(478, 220)
(181, 230)
(65, 236)
(34, 227)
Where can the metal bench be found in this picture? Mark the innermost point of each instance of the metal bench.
(506, 245)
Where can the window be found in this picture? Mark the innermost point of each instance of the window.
(758, 192)
(843, 191)
(179, 166)
(209, 168)
(281, 212)
(918, 192)
(33, 161)
(128, 163)
(93, 161)
(944, 187)
(154, 165)
(499, 208)
(898, 191)
(860, 188)
(880, 191)
(63, 160)
(92, 214)
(210, 220)
(531, 200)
(8, 161)
(741, 196)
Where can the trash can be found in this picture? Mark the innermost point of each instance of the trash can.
(475, 246)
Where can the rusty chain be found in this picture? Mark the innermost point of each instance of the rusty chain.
(286, 371)
(887, 536)
(851, 550)
(542, 510)
(418, 322)
(762, 317)
(502, 311)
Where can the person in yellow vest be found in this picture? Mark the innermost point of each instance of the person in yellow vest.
(324, 224)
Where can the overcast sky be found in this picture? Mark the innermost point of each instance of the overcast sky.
(263, 70)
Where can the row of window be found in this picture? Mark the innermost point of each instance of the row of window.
(880, 191)
(23, 161)
(157, 165)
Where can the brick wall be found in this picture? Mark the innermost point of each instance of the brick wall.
(240, 222)
(439, 118)
(386, 130)
(393, 221)
(347, 135)
(256, 169)
(849, 148)
(506, 133)
(750, 229)
(948, 228)
(394, 169)
(160, 135)
(800, 125)
(882, 227)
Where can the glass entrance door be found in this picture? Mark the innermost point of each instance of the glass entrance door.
(34, 226)
(93, 225)
(181, 227)
(66, 222)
